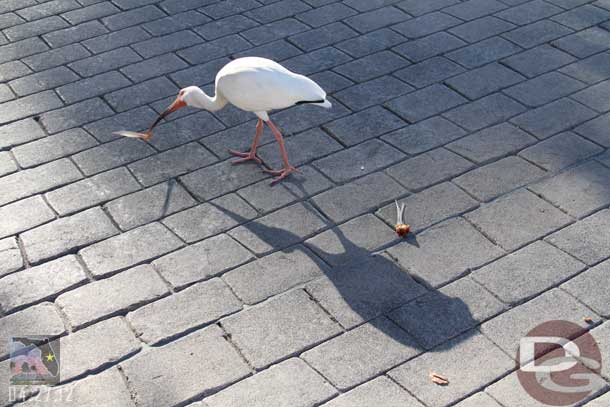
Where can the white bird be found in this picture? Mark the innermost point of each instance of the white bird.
(256, 85)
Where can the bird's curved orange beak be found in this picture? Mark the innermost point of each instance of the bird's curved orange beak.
(177, 104)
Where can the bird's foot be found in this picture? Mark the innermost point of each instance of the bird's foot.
(281, 174)
(249, 156)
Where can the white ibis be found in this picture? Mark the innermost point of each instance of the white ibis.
(256, 85)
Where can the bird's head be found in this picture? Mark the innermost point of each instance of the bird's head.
(186, 97)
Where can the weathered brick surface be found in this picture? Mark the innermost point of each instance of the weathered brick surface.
(23, 215)
(53, 147)
(10, 256)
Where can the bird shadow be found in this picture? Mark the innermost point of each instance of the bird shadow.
(361, 286)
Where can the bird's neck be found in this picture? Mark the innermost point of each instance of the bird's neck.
(212, 104)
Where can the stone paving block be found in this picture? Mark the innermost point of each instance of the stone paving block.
(201, 261)
(116, 39)
(13, 69)
(75, 115)
(35, 12)
(276, 51)
(200, 74)
(425, 135)
(56, 57)
(484, 52)
(444, 252)
(417, 8)
(67, 234)
(586, 239)
(92, 191)
(6, 94)
(274, 274)
(537, 33)
(132, 17)
(40, 283)
(273, 31)
(277, 385)
(185, 129)
(368, 67)
(111, 155)
(595, 130)
(553, 118)
(42, 81)
(106, 388)
(278, 10)
(362, 290)
(219, 179)
(202, 53)
(595, 96)
(210, 218)
(198, 305)
(449, 312)
(42, 318)
(430, 46)
(429, 71)
(326, 14)
(529, 12)
(266, 197)
(316, 61)
(149, 205)
(323, 36)
(370, 93)
(371, 42)
(463, 359)
(10, 256)
(472, 9)
(9, 20)
(34, 28)
(584, 43)
(362, 353)
(74, 34)
(177, 6)
(510, 277)
(150, 373)
(310, 145)
(53, 147)
(356, 238)
(508, 328)
(484, 112)
(429, 168)
(601, 337)
(483, 81)
(357, 197)
(492, 143)
(361, 5)
(480, 29)
(579, 191)
(544, 89)
(104, 62)
(425, 103)
(23, 215)
(364, 125)
(7, 164)
(497, 178)
(600, 401)
(582, 17)
(91, 12)
(279, 229)
(113, 341)
(268, 333)
(126, 291)
(542, 59)
(21, 49)
(171, 163)
(91, 87)
(28, 106)
(229, 7)
(176, 22)
(587, 288)
(142, 93)
(478, 400)
(25, 183)
(225, 26)
(375, 19)
(379, 390)
(430, 206)
(590, 70)
(129, 249)
(426, 25)
(560, 151)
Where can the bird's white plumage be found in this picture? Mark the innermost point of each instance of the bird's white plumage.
(260, 85)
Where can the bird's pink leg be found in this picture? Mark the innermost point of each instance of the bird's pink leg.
(250, 155)
(283, 173)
